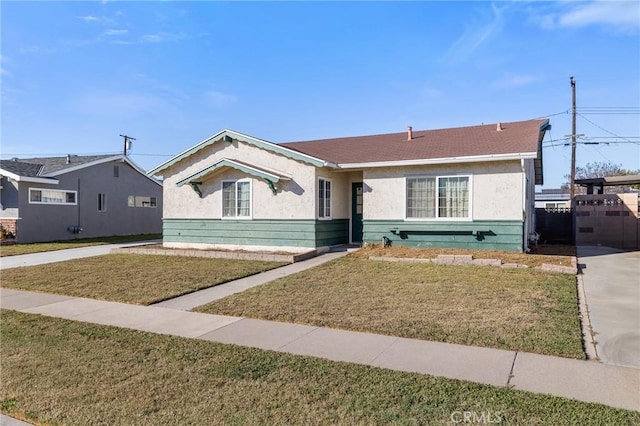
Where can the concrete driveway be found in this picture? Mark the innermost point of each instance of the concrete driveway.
(612, 287)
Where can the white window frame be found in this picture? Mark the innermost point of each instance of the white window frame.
(133, 201)
(62, 191)
(102, 202)
(235, 182)
(437, 178)
(323, 202)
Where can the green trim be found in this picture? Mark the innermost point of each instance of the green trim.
(196, 187)
(224, 135)
(478, 234)
(245, 168)
(271, 186)
(260, 232)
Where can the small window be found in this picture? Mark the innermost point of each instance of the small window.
(236, 199)
(116, 171)
(141, 201)
(102, 202)
(324, 198)
(52, 196)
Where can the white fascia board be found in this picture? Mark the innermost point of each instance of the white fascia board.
(120, 157)
(84, 166)
(139, 170)
(18, 178)
(448, 160)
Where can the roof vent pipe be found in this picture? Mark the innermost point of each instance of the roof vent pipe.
(409, 133)
(499, 127)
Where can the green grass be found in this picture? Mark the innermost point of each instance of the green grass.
(17, 249)
(515, 309)
(131, 278)
(57, 371)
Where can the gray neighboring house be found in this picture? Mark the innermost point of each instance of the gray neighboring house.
(65, 198)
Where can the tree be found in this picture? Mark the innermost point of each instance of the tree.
(600, 169)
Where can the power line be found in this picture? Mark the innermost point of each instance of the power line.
(602, 128)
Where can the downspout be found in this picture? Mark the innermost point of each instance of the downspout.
(78, 201)
(525, 230)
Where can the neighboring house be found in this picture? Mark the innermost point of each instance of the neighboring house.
(608, 219)
(469, 187)
(554, 198)
(63, 198)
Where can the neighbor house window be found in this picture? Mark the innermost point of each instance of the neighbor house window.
(141, 201)
(324, 198)
(116, 171)
(236, 199)
(102, 202)
(51, 196)
(438, 197)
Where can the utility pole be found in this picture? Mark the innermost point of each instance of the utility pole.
(128, 139)
(573, 139)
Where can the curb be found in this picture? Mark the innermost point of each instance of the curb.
(467, 260)
(269, 257)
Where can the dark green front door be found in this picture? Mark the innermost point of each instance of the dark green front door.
(356, 212)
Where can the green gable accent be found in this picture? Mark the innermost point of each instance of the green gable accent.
(270, 177)
(229, 136)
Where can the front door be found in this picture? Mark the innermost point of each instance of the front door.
(356, 212)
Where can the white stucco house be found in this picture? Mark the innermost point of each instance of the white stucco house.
(468, 187)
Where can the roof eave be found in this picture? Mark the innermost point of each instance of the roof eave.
(233, 135)
(18, 178)
(444, 160)
(245, 168)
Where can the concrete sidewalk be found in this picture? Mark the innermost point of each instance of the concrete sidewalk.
(44, 257)
(611, 280)
(616, 386)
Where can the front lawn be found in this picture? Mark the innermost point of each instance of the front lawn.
(17, 249)
(56, 371)
(131, 278)
(515, 309)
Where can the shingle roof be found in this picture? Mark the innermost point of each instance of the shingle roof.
(20, 168)
(514, 138)
(34, 167)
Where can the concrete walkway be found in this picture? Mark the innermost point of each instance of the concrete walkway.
(202, 297)
(44, 257)
(611, 280)
(616, 386)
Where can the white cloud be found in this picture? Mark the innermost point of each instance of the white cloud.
(616, 16)
(513, 81)
(3, 70)
(88, 18)
(219, 99)
(474, 36)
(110, 33)
(162, 36)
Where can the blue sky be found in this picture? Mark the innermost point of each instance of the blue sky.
(76, 75)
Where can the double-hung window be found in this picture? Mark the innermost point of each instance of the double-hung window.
(438, 197)
(236, 199)
(324, 198)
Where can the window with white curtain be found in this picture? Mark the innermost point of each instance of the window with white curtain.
(236, 199)
(438, 197)
(52, 196)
